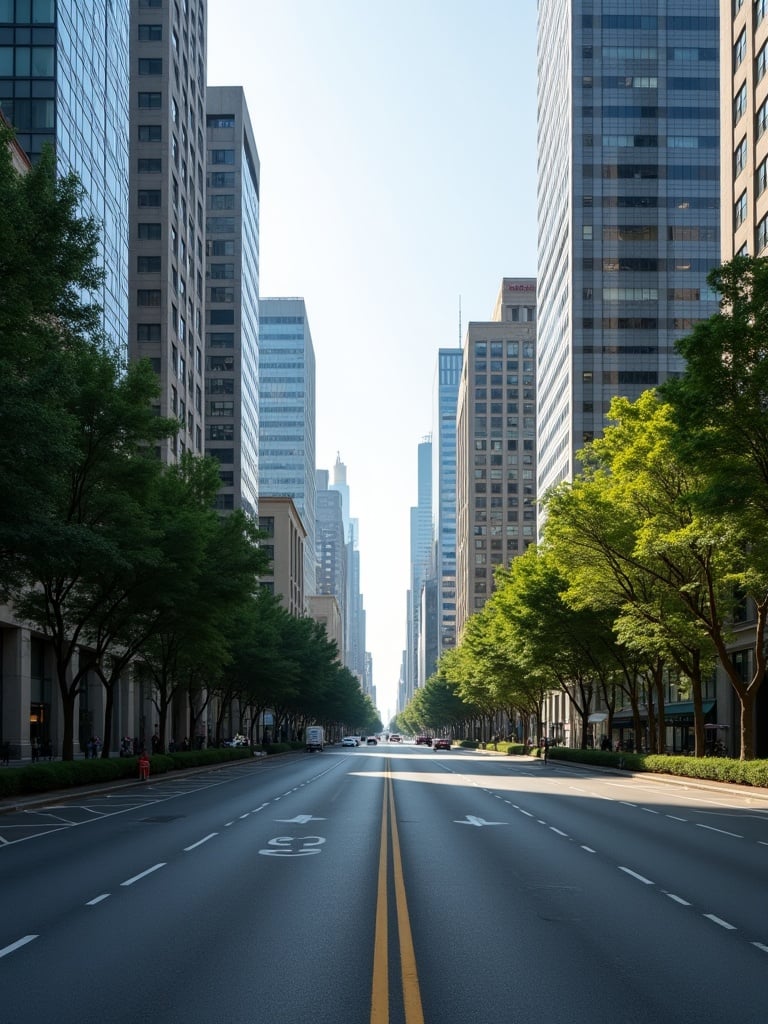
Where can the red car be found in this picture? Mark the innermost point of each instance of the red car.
(441, 743)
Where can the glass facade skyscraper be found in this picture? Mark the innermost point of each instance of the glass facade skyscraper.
(232, 299)
(445, 399)
(628, 205)
(287, 414)
(64, 78)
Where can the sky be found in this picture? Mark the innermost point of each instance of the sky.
(397, 144)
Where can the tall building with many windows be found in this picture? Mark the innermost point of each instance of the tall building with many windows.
(420, 565)
(496, 445)
(628, 204)
(744, 126)
(232, 298)
(167, 208)
(444, 402)
(287, 414)
(64, 76)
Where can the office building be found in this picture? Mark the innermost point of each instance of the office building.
(445, 399)
(628, 198)
(496, 445)
(287, 414)
(64, 74)
(420, 562)
(331, 569)
(167, 209)
(232, 298)
(283, 544)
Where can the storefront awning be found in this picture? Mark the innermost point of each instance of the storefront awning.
(598, 716)
(677, 713)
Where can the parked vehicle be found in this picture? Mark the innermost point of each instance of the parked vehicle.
(350, 741)
(395, 737)
(315, 738)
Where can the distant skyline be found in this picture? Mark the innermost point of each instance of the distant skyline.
(398, 183)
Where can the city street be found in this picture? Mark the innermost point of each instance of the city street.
(387, 884)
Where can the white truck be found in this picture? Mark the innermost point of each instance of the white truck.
(315, 737)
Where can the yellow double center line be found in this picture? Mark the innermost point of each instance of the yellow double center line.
(409, 974)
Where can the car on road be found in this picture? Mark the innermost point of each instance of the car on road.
(350, 741)
(394, 737)
(441, 743)
(372, 741)
(425, 741)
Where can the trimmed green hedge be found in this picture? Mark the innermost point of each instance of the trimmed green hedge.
(711, 769)
(51, 775)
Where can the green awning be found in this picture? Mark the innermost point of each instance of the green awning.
(677, 713)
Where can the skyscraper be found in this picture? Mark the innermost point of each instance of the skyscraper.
(496, 446)
(167, 186)
(628, 205)
(420, 561)
(331, 575)
(287, 414)
(64, 75)
(445, 399)
(232, 299)
(355, 655)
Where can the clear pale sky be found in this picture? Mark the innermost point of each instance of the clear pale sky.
(397, 143)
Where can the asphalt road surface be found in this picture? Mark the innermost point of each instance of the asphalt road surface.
(387, 885)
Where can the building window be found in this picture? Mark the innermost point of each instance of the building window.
(760, 8)
(150, 100)
(761, 62)
(150, 133)
(762, 118)
(150, 65)
(147, 165)
(150, 232)
(148, 264)
(740, 49)
(149, 196)
(148, 297)
(150, 33)
(762, 235)
(740, 102)
(148, 332)
(221, 156)
(740, 157)
(761, 177)
(740, 209)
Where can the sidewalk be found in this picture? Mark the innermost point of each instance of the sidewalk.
(30, 800)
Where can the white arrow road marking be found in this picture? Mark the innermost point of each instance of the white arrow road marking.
(478, 822)
(300, 819)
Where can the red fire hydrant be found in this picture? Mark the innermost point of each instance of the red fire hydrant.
(143, 767)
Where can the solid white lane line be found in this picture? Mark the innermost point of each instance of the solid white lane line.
(200, 842)
(16, 945)
(98, 899)
(678, 899)
(711, 828)
(634, 874)
(721, 922)
(136, 878)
